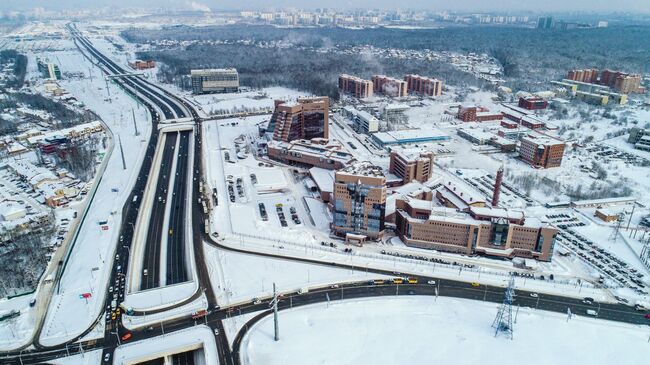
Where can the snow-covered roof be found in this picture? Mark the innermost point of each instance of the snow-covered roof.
(323, 178)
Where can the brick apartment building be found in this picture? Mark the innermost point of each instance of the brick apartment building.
(541, 151)
(477, 114)
(142, 65)
(589, 75)
(306, 118)
(390, 86)
(533, 103)
(359, 202)
(489, 231)
(411, 167)
(355, 86)
(417, 84)
(621, 82)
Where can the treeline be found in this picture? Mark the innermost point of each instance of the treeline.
(19, 70)
(529, 56)
(61, 113)
(312, 71)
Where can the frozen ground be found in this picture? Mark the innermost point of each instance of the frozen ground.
(179, 341)
(420, 330)
(237, 277)
(88, 358)
(16, 330)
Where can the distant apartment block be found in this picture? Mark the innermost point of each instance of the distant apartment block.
(142, 65)
(49, 70)
(317, 152)
(621, 82)
(411, 167)
(390, 86)
(219, 80)
(305, 118)
(589, 75)
(477, 114)
(359, 202)
(423, 85)
(355, 86)
(541, 151)
(533, 103)
(545, 22)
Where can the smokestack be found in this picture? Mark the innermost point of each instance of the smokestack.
(497, 188)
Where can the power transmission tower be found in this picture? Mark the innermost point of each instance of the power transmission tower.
(503, 320)
(274, 304)
(619, 222)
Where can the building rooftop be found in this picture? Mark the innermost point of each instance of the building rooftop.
(323, 178)
(407, 135)
(206, 71)
(364, 168)
(541, 140)
(509, 214)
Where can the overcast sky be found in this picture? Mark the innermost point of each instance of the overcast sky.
(463, 5)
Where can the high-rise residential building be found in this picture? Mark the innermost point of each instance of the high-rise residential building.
(489, 231)
(359, 202)
(218, 80)
(49, 70)
(355, 86)
(390, 86)
(589, 75)
(423, 85)
(545, 22)
(305, 118)
(541, 151)
(411, 167)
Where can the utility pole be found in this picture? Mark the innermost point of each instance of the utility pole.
(631, 214)
(122, 152)
(108, 90)
(276, 326)
(135, 126)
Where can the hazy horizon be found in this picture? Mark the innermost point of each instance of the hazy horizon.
(584, 6)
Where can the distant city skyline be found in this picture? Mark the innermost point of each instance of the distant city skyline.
(640, 6)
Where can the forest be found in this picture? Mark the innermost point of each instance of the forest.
(19, 67)
(529, 56)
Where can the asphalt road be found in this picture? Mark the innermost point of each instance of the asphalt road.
(176, 265)
(156, 228)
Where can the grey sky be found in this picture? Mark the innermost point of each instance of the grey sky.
(463, 5)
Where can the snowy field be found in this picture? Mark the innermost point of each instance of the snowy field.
(237, 277)
(421, 330)
(88, 358)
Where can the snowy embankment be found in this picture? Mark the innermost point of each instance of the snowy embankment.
(88, 269)
(180, 341)
(421, 330)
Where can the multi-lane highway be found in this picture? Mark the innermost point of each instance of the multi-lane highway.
(176, 266)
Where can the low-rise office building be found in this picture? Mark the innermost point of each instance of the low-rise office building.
(490, 231)
(365, 122)
(317, 152)
(217, 80)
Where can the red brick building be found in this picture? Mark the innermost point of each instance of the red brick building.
(355, 86)
(423, 85)
(533, 103)
(541, 151)
(477, 114)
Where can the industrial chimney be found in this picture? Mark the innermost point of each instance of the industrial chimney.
(497, 188)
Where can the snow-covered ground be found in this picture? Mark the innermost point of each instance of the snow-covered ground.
(421, 330)
(95, 247)
(16, 331)
(87, 358)
(194, 338)
(238, 277)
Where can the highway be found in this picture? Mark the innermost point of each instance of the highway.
(451, 288)
(151, 259)
(176, 268)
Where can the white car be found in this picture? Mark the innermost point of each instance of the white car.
(107, 357)
(534, 295)
(216, 332)
(592, 312)
(431, 282)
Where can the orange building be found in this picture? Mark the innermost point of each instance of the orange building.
(306, 118)
(355, 86)
(423, 85)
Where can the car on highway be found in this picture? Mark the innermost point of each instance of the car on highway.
(647, 316)
(412, 280)
(475, 284)
(256, 301)
(639, 307)
(592, 312)
(588, 301)
(378, 282)
(398, 281)
(216, 332)
(107, 357)
(126, 336)
(334, 286)
(431, 282)
(534, 295)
